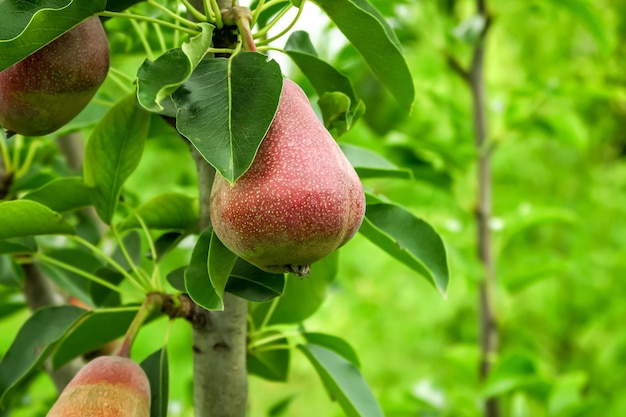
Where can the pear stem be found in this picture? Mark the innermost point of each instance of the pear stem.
(241, 17)
(152, 302)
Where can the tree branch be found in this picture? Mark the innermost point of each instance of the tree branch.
(488, 322)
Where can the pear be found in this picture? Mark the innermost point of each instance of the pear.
(108, 386)
(50, 87)
(300, 199)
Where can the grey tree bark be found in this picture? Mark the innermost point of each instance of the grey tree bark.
(219, 337)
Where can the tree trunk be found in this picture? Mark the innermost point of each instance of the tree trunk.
(220, 374)
(488, 323)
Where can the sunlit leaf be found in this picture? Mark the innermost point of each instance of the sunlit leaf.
(113, 153)
(22, 218)
(343, 381)
(369, 164)
(409, 239)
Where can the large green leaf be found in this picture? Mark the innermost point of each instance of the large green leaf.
(96, 330)
(157, 370)
(343, 381)
(373, 38)
(29, 25)
(409, 239)
(21, 218)
(113, 153)
(166, 211)
(226, 108)
(36, 339)
(62, 194)
(157, 80)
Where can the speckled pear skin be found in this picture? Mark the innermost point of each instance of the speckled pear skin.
(299, 201)
(108, 386)
(50, 87)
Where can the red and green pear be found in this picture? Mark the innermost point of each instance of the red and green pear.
(108, 386)
(299, 201)
(47, 89)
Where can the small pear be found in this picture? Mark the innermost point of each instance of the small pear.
(50, 87)
(299, 201)
(108, 386)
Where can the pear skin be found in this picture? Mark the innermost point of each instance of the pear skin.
(108, 386)
(299, 201)
(50, 87)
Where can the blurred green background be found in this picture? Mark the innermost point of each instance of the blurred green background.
(556, 89)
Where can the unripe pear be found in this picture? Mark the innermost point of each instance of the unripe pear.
(299, 201)
(108, 386)
(50, 87)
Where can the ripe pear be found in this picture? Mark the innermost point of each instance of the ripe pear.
(108, 386)
(50, 87)
(299, 201)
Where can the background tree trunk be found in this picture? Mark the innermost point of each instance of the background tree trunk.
(487, 318)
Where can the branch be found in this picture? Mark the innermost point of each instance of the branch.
(40, 292)
(488, 321)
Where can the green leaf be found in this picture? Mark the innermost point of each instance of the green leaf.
(226, 108)
(334, 343)
(21, 218)
(96, 330)
(249, 282)
(409, 239)
(157, 370)
(18, 245)
(273, 364)
(221, 263)
(337, 113)
(367, 30)
(205, 282)
(132, 244)
(302, 296)
(102, 296)
(29, 25)
(343, 381)
(166, 242)
(323, 77)
(166, 211)
(337, 99)
(61, 194)
(159, 79)
(113, 153)
(34, 342)
(369, 164)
